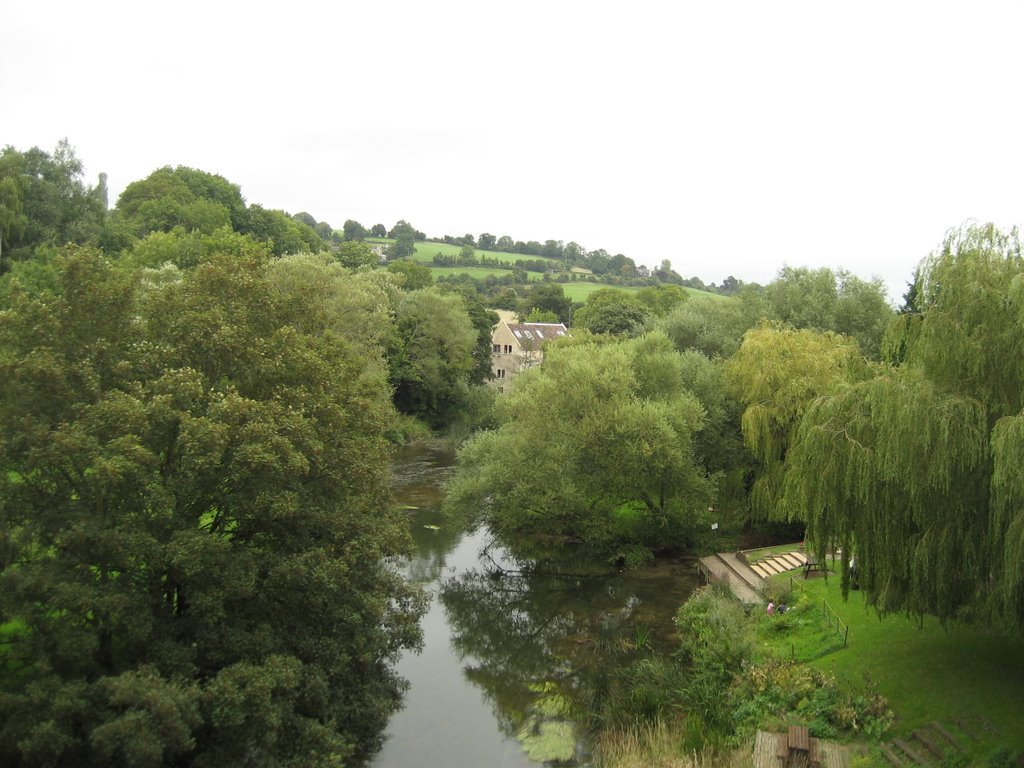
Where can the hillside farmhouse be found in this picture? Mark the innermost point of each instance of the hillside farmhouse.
(518, 346)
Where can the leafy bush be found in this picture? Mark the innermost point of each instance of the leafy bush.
(782, 690)
(714, 628)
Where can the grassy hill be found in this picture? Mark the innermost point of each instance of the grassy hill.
(425, 252)
(577, 290)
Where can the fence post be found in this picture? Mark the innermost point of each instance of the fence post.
(846, 635)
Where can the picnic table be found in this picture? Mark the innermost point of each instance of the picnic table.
(813, 564)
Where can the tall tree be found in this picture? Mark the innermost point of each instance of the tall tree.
(612, 311)
(777, 374)
(431, 368)
(193, 487)
(46, 199)
(594, 447)
(918, 468)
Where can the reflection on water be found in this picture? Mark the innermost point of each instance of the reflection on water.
(512, 655)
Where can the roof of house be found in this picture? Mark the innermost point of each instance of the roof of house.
(532, 335)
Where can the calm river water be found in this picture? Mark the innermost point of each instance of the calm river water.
(510, 654)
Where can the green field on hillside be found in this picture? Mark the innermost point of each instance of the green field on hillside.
(425, 252)
(577, 290)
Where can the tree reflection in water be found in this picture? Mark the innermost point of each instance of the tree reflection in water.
(544, 645)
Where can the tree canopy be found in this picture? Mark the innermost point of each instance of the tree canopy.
(593, 447)
(193, 495)
(916, 468)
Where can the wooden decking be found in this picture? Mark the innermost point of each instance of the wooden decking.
(766, 753)
(727, 568)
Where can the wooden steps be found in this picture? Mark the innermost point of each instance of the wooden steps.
(940, 729)
(891, 756)
(912, 753)
(929, 745)
(780, 563)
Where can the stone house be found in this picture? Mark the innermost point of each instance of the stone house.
(518, 346)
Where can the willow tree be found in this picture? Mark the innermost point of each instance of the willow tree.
(918, 468)
(777, 373)
(594, 448)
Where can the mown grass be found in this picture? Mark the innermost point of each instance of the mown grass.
(926, 671)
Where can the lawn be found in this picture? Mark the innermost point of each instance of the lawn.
(926, 671)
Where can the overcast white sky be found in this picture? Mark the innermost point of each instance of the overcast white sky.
(728, 137)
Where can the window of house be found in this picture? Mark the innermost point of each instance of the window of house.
(508, 349)
(500, 373)
(497, 347)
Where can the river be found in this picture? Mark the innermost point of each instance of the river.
(510, 655)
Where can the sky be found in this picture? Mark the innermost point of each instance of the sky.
(732, 138)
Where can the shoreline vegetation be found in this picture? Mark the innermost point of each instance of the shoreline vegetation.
(894, 676)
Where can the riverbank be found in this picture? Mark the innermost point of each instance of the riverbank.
(876, 684)
(927, 672)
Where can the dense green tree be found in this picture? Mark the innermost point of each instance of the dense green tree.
(777, 374)
(547, 297)
(467, 256)
(193, 495)
(354, 230)
(404, 246)
(612, 311)
(354, 254)
(486, 241)
(378, 230)
(12, 214)
(44, 200)
(186, 197)
(661, 299)
(483, 321)
(431, 368)
(402, 227)
(195, 200)
(918, 468)
(832, 301)
(606, 431)
(284, 234)
(711, 326)
(415, 275)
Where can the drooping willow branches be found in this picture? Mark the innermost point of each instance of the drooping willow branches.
(917, 468)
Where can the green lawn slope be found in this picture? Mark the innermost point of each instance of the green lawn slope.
(928, 672)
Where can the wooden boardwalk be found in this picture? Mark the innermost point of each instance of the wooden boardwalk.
(831, 755)
(727, 568)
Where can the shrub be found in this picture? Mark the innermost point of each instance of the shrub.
(714, 628)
